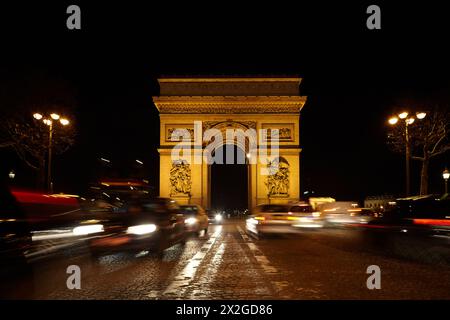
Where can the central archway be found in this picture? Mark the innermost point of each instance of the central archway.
(229, 182)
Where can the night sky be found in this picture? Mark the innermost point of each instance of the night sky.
(354, 79)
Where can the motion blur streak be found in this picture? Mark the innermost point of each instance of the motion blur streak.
(433, 222)
(85, 230)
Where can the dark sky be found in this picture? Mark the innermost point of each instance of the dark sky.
(354, 78)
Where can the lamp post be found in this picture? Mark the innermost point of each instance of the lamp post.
(446, 176)
(408, 121)
(49, 123)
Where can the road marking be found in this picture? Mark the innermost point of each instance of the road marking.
(209, 275)
(184, 278)
(259, 256)
(243, 235)
(265, 265)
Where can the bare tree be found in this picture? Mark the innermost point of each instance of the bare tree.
(428, 138)
(23, 93)
(30, 140)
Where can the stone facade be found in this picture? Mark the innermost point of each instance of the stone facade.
(230, 103)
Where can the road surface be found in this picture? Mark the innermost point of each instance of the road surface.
(228, 264)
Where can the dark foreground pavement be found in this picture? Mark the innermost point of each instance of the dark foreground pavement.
(228, 264)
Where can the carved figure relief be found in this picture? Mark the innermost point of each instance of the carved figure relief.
(278, 180)
(180, 178)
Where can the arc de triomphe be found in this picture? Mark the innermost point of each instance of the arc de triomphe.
(195, 105)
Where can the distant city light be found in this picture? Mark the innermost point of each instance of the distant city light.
(139, 161)
(446, 174)
(105, 160)
(12, 174)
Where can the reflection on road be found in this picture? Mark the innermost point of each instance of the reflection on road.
(226, 263)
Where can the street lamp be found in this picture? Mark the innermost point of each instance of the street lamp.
(446, 176)
(393, 120)
(421, 115)
(403, 115)
(49, 123)
(408, 121)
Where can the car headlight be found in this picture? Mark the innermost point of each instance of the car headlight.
(190, 221)
(252, 221)
(142, 229)
(218, 217)
(84, 230)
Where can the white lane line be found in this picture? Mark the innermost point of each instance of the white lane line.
(208, 278)
(259, 256)
(243, 235)
(184, 278)
(279, 286)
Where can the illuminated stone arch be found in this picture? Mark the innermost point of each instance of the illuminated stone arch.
(199, 104)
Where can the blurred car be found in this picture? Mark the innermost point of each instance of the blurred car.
(424, 215)
(15, 237)
(350, 216)
(55, 223)
(363, 215)
(145, 224)
(417, 227)
(195, 217)
(283, 218)
(214, 217)
(340, 213)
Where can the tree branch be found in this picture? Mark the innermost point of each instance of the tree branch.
(444, 149)
(437, 143)
(6, 144)
(24, 158)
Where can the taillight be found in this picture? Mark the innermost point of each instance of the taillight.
(432, 222)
